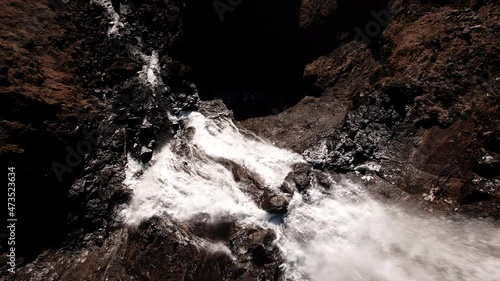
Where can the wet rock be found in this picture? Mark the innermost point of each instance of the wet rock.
(323, 179)
(492, 142)
(147, 133)
(300, 176)
(217, 229)
(146, 154)
(480, 189)
(258, 243)
(165, 240)
(274, 203)
(488, 165)
(134, 121)
(146, 125)
(288, 186)
(123, 69)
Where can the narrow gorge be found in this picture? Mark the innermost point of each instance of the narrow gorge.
(252, 140)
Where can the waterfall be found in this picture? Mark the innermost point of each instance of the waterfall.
(336, 233)
(329, 233)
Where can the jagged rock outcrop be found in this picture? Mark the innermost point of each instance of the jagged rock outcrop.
(414, 103)
(420, 102)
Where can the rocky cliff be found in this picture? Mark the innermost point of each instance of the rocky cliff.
(408, 86)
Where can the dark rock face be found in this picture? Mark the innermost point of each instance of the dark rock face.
(299, 179)
(420, 104)
(47, 104)
(136, 116)
(419, 100)
(161, 238)
(488, 165)
(161, 249)
(258, 68)
(133, 118)
(41, 109)
(479, 190)
(492, 142)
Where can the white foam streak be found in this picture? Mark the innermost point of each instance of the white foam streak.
(185, 182)
(181, 188)
(224, 140)
(151, 70)
(335, 238)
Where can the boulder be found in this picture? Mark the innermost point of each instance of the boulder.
(301, 176)
(257, 242)
(275, 203)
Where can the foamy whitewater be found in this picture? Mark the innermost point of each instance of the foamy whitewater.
(338, 234)
(341, 235)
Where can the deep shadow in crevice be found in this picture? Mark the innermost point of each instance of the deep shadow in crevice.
(340, 27)
(251, 59)
(41, 207)
(361, 20)
(254, 58)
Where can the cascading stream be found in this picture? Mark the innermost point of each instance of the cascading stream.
(187, 177)
(338, 233)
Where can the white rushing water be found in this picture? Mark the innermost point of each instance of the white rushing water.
(340, 234)
(352, 237)
(186, 179)
(150, 73)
